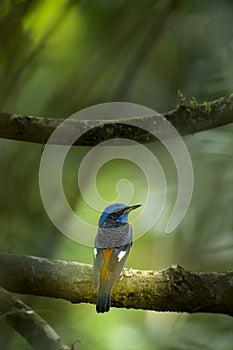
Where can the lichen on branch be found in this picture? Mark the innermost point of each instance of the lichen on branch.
(187, 119)
(171, 289)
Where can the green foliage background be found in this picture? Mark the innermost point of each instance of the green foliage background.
(57, 57)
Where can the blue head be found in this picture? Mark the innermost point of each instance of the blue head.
(116, 214)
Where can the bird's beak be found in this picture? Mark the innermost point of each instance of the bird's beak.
(132, 207)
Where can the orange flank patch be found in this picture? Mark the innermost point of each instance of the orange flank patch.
(131, 227)
(104, 271)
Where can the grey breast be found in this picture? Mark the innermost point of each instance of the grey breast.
(113, 237)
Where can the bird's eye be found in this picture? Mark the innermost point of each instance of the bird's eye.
(113, 216)
(116, 215)
(120, 212)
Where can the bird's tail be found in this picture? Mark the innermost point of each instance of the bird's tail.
(103, 301)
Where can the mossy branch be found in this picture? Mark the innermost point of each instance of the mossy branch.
(172, 289)
(187, 119)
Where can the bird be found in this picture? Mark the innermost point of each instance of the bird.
(113, 242)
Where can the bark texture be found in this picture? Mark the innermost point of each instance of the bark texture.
(172, 289)
(29, 324)
(187, 119)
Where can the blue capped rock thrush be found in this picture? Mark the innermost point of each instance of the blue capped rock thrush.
(112, 245)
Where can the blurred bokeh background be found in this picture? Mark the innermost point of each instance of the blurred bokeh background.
(57, 57)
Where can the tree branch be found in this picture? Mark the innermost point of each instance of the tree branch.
(172, 289)
(30, 325)
(186, 119)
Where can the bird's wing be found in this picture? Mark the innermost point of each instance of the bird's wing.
(110, 258)
(117, 262)
(108, 264)
(97, 264)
